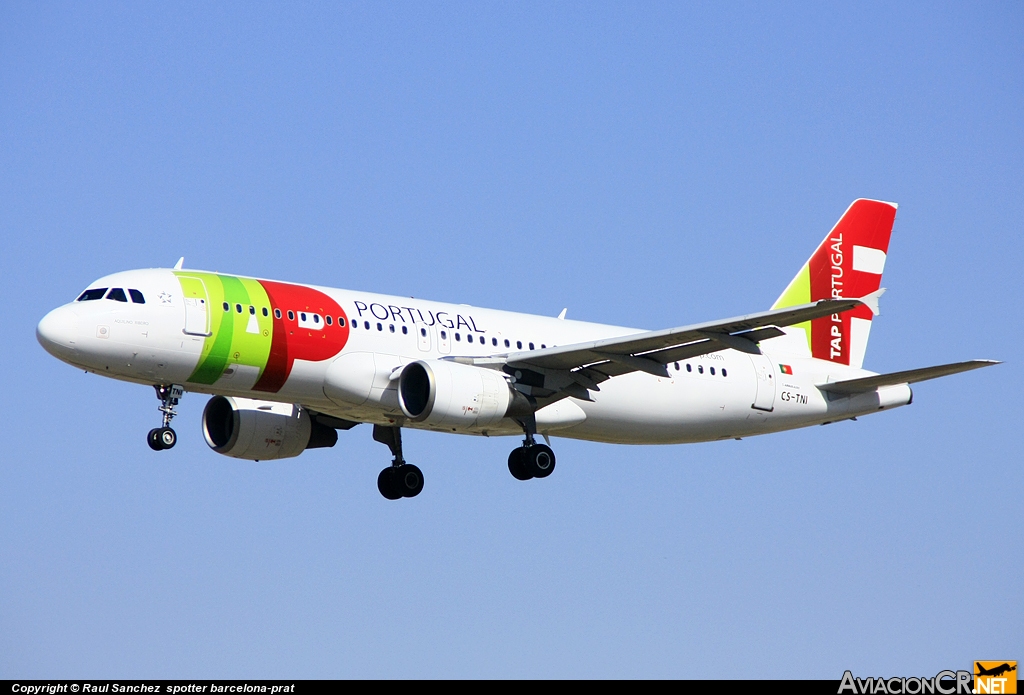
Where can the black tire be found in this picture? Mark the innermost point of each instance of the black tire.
(540, 460)
(168, 437)
(386, 484)
(408, 480)
(517, 464)
(153, 439)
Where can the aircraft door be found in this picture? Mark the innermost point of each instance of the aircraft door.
(197, 310)
(444, 340)
(423, 336)
(764, 372)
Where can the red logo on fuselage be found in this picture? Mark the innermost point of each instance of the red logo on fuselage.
(308, 325)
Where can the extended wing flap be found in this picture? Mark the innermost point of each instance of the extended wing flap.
(911, 376)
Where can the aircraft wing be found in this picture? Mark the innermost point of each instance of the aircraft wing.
(581, 366)
(911, 376)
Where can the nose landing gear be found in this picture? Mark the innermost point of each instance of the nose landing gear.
(400, 479)
(164, 437)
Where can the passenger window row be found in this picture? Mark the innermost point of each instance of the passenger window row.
(700, 369)
(380, 326)
(116, 294)
(304, 317)
(444, 335)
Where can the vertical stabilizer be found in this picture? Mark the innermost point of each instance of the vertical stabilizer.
(848, 263)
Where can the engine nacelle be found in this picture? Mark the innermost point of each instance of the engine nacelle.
(449, 394)
(262, 430)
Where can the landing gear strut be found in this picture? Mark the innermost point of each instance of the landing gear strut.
(400, 479)
(531, 460)
(164, 437)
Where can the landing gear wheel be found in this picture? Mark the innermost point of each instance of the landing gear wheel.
(539, 460)
(386, 484)
(517, 464)
(161, 438)
(168, 437)
(408, 480)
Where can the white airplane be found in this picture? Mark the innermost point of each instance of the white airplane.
(288, 365)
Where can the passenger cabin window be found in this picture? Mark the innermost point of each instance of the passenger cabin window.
(137, 297)
(724, 373)
(291, 315)
(494, 342)
(252, 310)
(238, 308)
(227, 307)
(519, 345)
(507, 344)
(341, 321)
(277, 313)
(265, 312)
(90, 295)
(405, 330)
(330, 321)
(117, 294)
(689, 368)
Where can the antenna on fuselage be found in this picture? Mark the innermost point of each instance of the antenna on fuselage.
(181, 261)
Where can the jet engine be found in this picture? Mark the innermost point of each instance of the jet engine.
(262, 430)
(454, 395)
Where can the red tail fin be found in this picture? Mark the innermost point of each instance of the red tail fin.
(848, 263)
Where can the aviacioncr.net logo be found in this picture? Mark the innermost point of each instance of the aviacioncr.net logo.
(942, 683)
(995, 677)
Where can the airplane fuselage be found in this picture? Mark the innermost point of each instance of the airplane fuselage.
(337, 351)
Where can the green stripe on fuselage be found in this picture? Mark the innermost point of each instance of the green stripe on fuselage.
(236, 338)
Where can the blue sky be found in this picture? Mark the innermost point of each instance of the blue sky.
(641, 164)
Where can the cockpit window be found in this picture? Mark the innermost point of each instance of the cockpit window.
(137, 297)
(96, 293)
(117, 294)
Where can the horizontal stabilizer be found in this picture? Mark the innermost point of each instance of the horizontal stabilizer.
(910, 376)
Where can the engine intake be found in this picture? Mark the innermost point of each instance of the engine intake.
(262, 430)
(449, 394)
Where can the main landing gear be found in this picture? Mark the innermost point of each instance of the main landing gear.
(400, 479)
(164, 437)
(531, 460)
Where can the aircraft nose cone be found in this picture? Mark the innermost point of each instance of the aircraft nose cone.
(57, 332)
